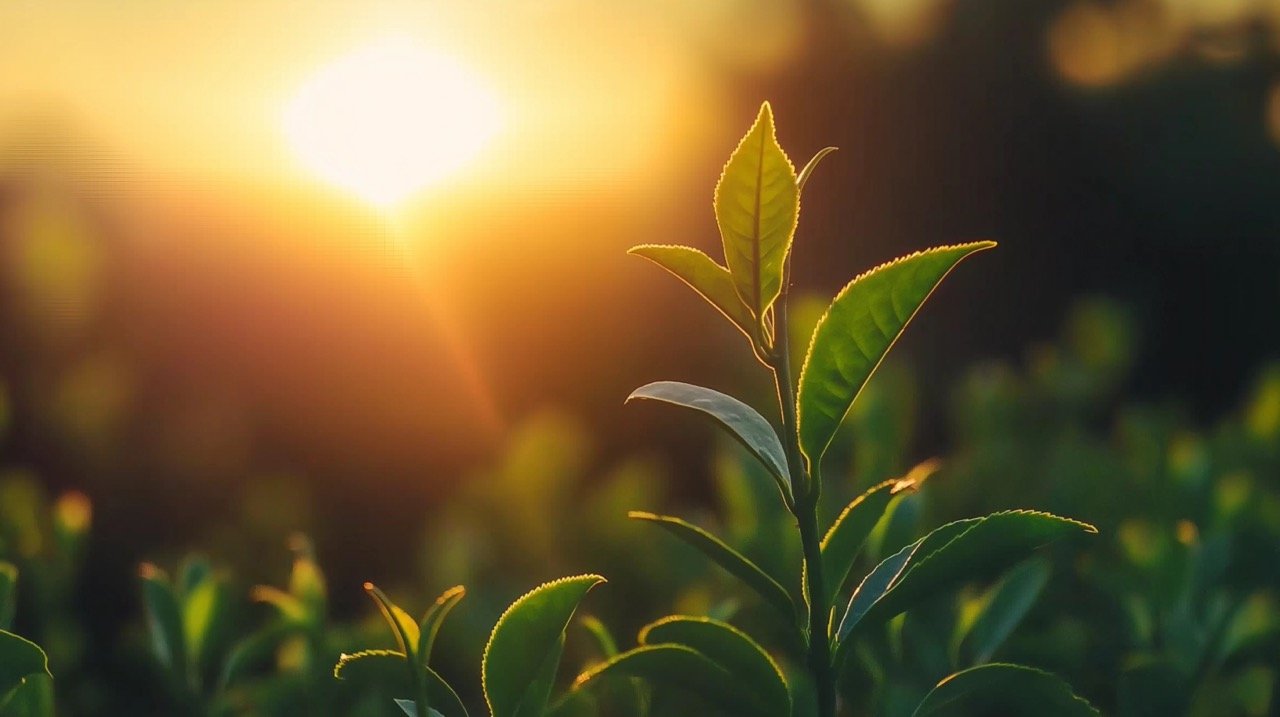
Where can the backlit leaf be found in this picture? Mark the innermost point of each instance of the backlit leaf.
(20, 659)
(730, 648)
(757, 203)
(704, 276)
(671, 665)
(434, 618)
(1006, 604)
(1005, 690)
(530, 631)
(164, 619)
(856, 333)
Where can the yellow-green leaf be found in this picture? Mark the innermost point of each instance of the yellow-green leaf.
(856, 333)
(704, 276)
(757, 203)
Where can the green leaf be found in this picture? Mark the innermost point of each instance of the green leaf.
(954, 553)
(385, 668)
(1004, 608)
(859, 328)
(200, 607)
(1005, 690)
(8, 594)
(733, 650)
(803, 177)
(20, 659)
(704, 276)
(32, 698)
(529, 632)
(600, 633)
(411, 709)
(403, 626)
(757, 203)
(677, 666)
(434, 618)
(254, 649)
(164, 619)
(849, 532)
(726, 557)
(743, 422)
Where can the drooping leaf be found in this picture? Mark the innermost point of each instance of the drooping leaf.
(730, 648)
(8, 594)
(531, 628)
(859, 328)
(757, 203)
(849, 532)
(164, 619)
(1004, 607)
(434, 618)
(726, 557)
(803, 177)
(20, 659)
(1006, 690)
(743, 422)
(954, 553)
(704, 276)
(671, 665)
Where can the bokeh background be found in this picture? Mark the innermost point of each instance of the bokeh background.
(218, 348)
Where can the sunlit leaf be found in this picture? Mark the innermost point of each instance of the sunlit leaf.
(757, 203)
(404, 627)
(726, 557)
(1005, 690)
(528, 634)
(730, 648)
(849, 532)
(743, 422)
(859, 328)
(671, 665)
(386, 669)
(200, 607)
(704, 276)
(803, 177)
(20, 659)
(164, 619)
(954, 553)
(434, 618)
(1004, 608)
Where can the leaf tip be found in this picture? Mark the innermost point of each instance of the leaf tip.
(642, 515)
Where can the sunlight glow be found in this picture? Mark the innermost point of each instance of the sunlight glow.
(390, 120)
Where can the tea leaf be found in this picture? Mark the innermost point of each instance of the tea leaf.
(859, 328)
(164, 619)
(1005, 606)
(1007, 690)
(812, 164)
(32, 698)
(743, 422)
(704, 276)
(847, 535)
(726, 557)
(386, 668)
(411, 709)
(529, 633)
(434, 618)
(677, 666)
(403, 626)
(20, 659)
(757, 204)
(730, 648)
(954, 553)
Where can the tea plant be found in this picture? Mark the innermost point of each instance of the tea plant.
(757, 208)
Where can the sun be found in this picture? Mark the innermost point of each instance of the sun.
(390, 120)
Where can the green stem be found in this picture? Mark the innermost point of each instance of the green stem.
(807, 489)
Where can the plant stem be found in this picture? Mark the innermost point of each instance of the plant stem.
(805, 510)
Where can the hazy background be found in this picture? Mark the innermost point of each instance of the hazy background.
(188, 315)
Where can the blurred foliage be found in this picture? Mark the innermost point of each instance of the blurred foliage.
(1174, 609)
